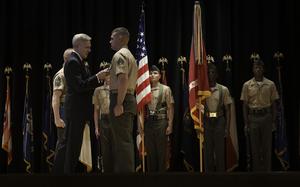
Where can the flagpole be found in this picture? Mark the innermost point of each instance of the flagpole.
(278, 56)
(163, 61)
(201, 138)
(141, 116)
(27, 68)
(7, 117)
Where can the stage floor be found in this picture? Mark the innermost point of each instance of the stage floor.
(241, 179)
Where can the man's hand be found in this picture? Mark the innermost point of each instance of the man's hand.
(102, 74)
(97, 132)
(140, 130)
(169, 130)
(200, 107)
(118, 110)
(59, 123)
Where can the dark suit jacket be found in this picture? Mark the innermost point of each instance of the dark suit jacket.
(80, 87)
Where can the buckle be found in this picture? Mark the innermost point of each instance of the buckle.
(157, 116)
(212, 114)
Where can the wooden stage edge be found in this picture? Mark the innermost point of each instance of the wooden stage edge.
(172, 179)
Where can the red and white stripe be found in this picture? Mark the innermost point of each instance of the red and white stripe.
(143, 90)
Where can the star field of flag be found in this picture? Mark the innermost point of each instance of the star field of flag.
(141, 45)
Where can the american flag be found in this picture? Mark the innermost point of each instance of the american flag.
(143, 90)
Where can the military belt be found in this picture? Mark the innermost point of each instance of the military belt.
(259, 110)
(151, 112)
(157, 116)
(214, 114)
(129, 91)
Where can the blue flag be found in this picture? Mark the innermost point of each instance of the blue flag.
(28, 146)
(281, 145)
(48, 131)
(190, 142)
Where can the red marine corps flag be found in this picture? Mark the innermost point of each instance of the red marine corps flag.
(198, 79)
(6, 137)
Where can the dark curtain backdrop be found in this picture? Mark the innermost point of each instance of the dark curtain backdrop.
(38, 32)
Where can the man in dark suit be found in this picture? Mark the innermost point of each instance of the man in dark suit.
(78, 100)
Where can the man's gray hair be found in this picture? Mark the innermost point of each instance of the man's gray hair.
(79, 38)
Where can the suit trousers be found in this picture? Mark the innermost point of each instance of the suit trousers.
(74, 135)
(106, 144)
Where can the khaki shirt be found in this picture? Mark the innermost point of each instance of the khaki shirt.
(59, 83)
(213, 100)
(101, 99)
(123, 62)
(166, 96)
(259, 94)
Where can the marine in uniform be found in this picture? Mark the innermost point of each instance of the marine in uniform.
(259, 111)
(102, 123)
(216, 123)
(158, 122)
(123, 106)
(58, 99)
